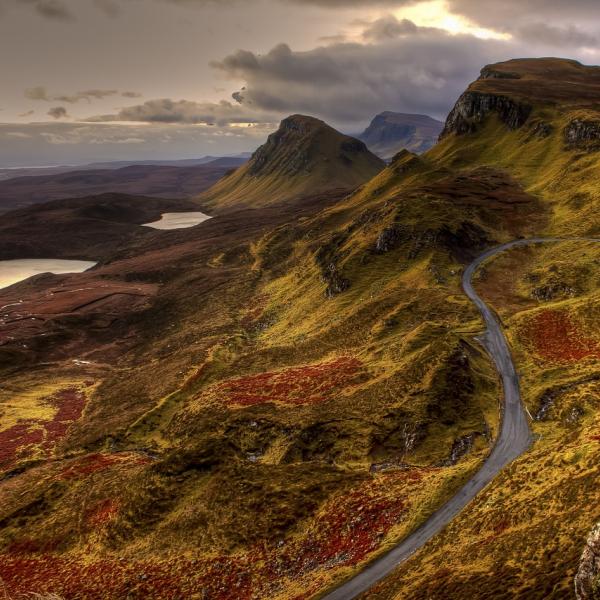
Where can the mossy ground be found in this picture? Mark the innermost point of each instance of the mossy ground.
(523, 536)
(286, 406)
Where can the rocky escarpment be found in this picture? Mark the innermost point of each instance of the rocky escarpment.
(327, 258)
(463, 243)
(583, 133)
(490, 73)
(587, 580)
(473, 107)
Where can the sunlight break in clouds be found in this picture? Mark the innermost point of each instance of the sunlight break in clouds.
(437, 14)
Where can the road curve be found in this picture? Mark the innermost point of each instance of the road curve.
(514, 439)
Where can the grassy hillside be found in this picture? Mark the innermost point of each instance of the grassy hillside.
(523, 536)
(297, 386)
(305, 156)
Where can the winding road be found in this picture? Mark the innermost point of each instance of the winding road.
(514, 439)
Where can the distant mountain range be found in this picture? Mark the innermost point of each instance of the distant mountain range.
(390, 132)
(173, 179)
(233, 160)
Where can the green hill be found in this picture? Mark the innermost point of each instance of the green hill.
(304, 156)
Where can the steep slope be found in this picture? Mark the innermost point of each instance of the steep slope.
(304, 156)
(538, 119)
(390, 132)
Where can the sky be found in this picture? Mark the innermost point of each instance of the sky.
(91, 80)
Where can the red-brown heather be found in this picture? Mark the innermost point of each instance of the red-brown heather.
(309, 384)
(556, 336)
(23, 439)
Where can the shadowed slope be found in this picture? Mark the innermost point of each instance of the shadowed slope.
(304, 156)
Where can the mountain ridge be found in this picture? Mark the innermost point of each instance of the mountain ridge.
(389, 132)
(304, 156)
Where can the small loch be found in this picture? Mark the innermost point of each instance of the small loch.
(180, 220)
(13, 271)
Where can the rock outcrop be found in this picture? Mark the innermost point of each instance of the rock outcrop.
(583, 133)
(473, 107)
(587, 580)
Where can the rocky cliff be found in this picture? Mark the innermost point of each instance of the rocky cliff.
(587, 580)
(473, 107)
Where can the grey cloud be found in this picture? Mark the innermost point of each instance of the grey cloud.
(27, 113)
(557, 36)
(353, 3)
(51, 9)
(37, 93)
(40, 93)
(347, 83)
(58, 112)
(508, 12)
(389, 28)
(64, 142)
(559, 23)
(110, 8)
(87, 95)
(165, 110)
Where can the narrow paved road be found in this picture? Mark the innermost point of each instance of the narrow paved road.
(514, 439)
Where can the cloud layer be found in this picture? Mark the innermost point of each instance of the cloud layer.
(411, 69)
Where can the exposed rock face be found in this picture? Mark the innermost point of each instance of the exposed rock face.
(550, 396)
(541, 129)
(583, 133)
(490, 73)
(388, 239)
(464, 243)
(336, 282)
(473, 107)
(461, 447)
(552, 290)
(587, 580)
(327, 257)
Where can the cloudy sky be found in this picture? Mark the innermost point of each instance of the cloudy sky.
(86, 80)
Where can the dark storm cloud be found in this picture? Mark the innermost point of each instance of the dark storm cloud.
(348, 82)
(58, 112)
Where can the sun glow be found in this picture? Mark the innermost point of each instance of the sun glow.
(437, 14)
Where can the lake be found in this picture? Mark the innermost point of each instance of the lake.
(179, 220)
(12, 271)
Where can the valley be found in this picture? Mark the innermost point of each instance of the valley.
(355, 379)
